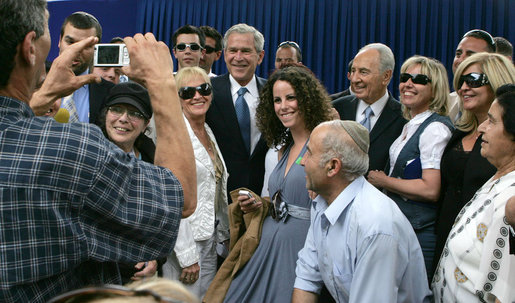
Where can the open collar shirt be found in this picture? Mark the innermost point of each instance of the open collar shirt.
(363, 249)
(72, 203)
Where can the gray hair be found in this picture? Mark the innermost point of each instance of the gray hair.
(336, 145)
(386, 56)
(18, 19)
(242, 28)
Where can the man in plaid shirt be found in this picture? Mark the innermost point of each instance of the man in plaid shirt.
(71, 203)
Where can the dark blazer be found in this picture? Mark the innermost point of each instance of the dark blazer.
(244, 170)
(340, 94)
(97, 94)
(387, 128)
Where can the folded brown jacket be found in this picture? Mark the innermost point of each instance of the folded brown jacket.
(245, 233)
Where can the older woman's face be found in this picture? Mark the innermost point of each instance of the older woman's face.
(497, 146)
(197, 106)
(479, 99)
(416, 97)
(286, 106)
(123, 126)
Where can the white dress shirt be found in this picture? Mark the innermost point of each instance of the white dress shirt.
(377, 109)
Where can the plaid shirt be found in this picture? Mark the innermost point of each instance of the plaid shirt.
(72, 203)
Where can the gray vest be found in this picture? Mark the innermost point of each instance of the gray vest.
(420, 214)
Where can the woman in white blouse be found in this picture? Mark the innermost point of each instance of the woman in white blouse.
(193, 261)
(476, 264)
(414, 167)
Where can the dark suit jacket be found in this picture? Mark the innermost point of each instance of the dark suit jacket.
(244, 170)
(387, 128)
(340, 94)
(97, 94)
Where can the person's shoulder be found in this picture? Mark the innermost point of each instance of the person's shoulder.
(379, 213)
(345, 101)
(220, 79)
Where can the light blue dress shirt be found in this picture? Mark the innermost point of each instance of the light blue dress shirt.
(81, 99)
(363, 248)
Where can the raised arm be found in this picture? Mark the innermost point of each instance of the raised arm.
(61, 81)
(152, 66)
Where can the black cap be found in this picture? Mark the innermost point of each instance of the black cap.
(133, 94)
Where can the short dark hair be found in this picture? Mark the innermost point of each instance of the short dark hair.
(83, 20)
(18, 19)
(214, 34)
(117, 40)
(503, 46)
(189, 29)
(294, 45)
(506, 98)
(483, 35)
(349, 66)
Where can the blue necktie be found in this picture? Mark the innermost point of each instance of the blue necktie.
(368, 113)
(243, 115)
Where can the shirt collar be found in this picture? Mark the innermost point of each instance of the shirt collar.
(418, 119)
(377, 107)
(251, 86)
(344, 199)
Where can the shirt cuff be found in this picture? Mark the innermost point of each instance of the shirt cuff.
(307, 285)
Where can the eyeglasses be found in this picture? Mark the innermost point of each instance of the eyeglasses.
(473, 80)
(291, 43)
(133, 115)
(188, 92)
(109, 291)
(279, 208)
(415, 78)
(193, 46)
(209, 49)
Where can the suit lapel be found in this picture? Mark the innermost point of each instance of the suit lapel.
(386, 118)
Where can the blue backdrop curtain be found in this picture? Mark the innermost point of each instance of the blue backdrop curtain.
(331, 32)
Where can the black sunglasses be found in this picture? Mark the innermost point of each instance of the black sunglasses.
(278, 209)
(473, 80)
(193, 46)
(188, 92)
(415, 78)
(209, 49)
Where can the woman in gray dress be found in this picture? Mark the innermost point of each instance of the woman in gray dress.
(291, 104)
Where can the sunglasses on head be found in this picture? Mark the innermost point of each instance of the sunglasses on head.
(193, 46)
(209, 49)
(188, 92)
(473, 80)
(415, 78)
(290, 43)
(481, 34)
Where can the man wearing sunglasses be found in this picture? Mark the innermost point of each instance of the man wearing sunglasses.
(233, 109)
(359, 244)
(287, 52)
(213, 49)
(372, 105)
(473, 41)
(188, 46)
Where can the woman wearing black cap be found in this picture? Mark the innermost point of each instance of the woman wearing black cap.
(124, 120)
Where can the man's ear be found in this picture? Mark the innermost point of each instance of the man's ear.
(28, 48)
(387, 76)
(333, 167)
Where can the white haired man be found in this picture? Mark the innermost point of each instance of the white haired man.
(359, 244)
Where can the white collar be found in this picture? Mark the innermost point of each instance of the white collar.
(377, 107)
(251, 86)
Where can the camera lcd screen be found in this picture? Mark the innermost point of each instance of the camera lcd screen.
(108, 54)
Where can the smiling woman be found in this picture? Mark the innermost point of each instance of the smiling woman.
(413, 180)
(123, 121)
(476, 264)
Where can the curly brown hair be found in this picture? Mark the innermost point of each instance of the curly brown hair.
(312, 98)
